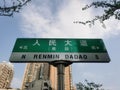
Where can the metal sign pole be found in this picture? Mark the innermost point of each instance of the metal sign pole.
(60, 71)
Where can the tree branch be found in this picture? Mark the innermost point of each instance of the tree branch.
(10, 10)
(111, 8)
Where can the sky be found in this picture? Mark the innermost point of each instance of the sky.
(54, 19)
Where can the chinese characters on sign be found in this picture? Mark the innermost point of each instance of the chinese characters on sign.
(68, 45)
(54, 45)
(36, 43)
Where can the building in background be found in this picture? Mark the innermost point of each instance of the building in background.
(6, 74)
(30, 74)
(40, 71)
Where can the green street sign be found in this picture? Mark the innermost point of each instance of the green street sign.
(51, 49)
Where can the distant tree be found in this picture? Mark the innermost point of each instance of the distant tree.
(93, 85)
(89, 86)
(110, 7)
(9, 7)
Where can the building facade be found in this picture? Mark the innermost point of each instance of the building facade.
(6, 74)
(30, 74)
(34, 71)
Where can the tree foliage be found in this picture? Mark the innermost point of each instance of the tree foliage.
(9, 7)
(89, 86)
(110, 7)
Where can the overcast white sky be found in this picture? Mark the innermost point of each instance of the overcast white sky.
(45, 19)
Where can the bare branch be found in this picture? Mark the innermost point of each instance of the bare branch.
(111, 8)
(10, 10)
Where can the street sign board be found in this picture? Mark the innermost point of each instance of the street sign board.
(51, 49)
